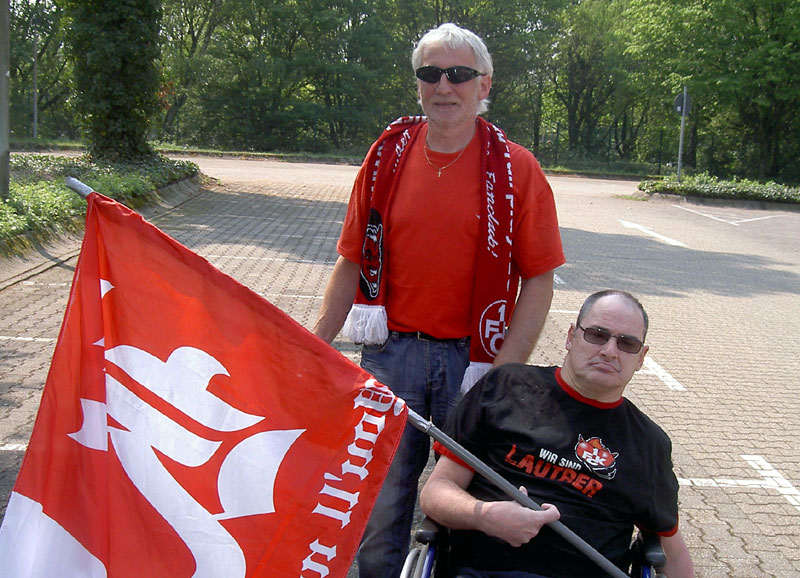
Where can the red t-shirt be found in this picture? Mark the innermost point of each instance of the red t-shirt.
(432, 232)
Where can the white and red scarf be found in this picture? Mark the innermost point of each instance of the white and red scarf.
(494, 292)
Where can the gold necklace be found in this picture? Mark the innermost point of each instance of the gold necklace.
(440, 169)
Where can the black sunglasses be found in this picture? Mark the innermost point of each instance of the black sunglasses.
(600, 336)
(455, 74)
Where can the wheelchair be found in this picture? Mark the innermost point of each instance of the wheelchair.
(425, 559)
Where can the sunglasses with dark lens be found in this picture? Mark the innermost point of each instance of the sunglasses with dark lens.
(455, 74)
(600, 336)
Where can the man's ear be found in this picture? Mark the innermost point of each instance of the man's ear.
(485, 86)
(570, 337)
(642, 355)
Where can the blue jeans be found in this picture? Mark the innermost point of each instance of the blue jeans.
(427, 375)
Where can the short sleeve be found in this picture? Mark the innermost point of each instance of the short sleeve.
(351, 239)
(661, 515)
(537, 240)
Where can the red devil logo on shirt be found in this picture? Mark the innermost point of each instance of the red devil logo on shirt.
(372, 257)
(597, 457)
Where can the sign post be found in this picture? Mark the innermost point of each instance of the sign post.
(683, 104)
(4, 78)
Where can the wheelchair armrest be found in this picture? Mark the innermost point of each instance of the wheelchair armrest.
(651, 550)
(429, 531)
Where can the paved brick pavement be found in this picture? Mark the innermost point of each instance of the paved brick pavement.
(725, 303)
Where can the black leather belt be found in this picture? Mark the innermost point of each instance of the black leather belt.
(423, 336)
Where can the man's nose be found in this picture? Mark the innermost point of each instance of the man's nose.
(609, 348)
(444, 85)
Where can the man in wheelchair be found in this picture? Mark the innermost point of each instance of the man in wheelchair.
(568, 438)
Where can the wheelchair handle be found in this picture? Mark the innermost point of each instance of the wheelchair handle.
(426, 427)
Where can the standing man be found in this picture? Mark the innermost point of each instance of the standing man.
(446, 216)
(569, 438)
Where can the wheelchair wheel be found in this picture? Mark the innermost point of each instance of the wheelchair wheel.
(645, 571)
(420, 562)
(411, 563)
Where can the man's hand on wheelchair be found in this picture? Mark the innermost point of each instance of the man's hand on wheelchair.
(512, 522)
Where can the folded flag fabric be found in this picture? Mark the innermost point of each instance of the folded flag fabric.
(190, 428)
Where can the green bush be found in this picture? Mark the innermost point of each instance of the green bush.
(711, 187)
(39, 201)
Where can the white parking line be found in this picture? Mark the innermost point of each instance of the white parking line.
(270, 296)
(754, 219)
(22, 338)
(277, 259)
(35, 283)
(643, 229)
(650, 367)
(728, 220)
(771, 479)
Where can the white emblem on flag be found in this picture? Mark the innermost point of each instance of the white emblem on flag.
(247, 475)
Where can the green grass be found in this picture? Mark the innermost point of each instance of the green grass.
(40, 204)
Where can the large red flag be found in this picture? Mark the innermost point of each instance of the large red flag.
(190, 428)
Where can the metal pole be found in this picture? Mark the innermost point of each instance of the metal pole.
(683, 125)
(5, 49)
(508, 488)
(558, 130)
(77, 186)
(35, 85)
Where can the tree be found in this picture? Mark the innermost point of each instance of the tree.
(37, 43)
(251, 95)
(660, 39)
(738, 58)
(761, 49)
(345, 62)
(586, 58)
(520, 36)
(188, 29)
(114, 46)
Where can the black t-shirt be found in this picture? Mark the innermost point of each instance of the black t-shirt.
(606, 467)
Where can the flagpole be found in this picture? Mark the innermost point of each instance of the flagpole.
(77, 186)
(425, 426)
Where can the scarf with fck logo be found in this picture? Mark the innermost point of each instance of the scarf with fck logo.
(495, 288)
